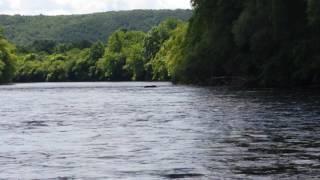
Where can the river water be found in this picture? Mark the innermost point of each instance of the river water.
(125, 131)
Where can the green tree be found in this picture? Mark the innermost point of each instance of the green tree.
(155, 39)
(123, 59)
(260, 42)
(166, 63)
(209, 40)
(57, 70)
(7, 60)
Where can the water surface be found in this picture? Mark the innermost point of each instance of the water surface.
(124, 131)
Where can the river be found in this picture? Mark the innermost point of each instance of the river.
(126, 131)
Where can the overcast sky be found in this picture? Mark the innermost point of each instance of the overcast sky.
(54, 7)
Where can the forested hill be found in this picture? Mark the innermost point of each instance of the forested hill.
(24, 30)
(265, 43)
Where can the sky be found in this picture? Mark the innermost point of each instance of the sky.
(57, 7)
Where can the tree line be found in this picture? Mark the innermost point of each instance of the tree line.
(265, 43)
(261, 43)
(127, 55)
(7, 60)
(25, 30)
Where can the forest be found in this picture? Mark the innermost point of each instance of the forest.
(26, 30)
(256, 43)
(260, 43)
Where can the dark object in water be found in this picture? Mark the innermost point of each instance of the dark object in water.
(35, 123)
(178, 176)
(152, 86)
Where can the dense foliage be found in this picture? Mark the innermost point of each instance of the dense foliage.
(164, 62)
(33, 31)
(265, 43)
(123, 59)
(256, 42)
(72, 65)
(7, 60)
(128, 55)
(154, 41)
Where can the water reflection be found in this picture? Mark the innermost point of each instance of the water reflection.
(269, 135)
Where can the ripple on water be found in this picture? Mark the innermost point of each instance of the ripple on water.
(124, 131)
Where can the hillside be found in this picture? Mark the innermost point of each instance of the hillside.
(24, 30)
